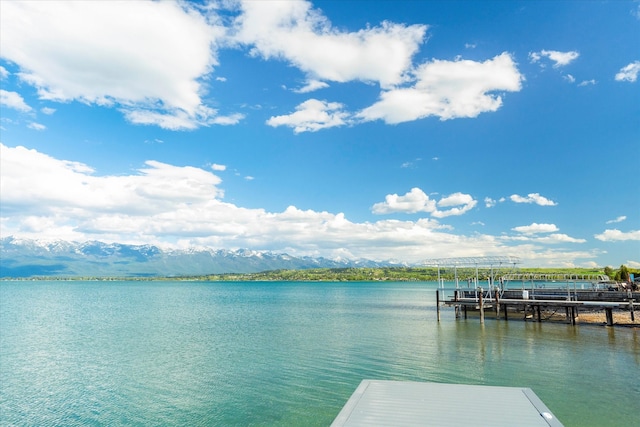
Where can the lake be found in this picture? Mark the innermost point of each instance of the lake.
(280, 353)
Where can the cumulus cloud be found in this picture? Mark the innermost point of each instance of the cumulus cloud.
(115, 53)
(531, 233)
(180, 206)
(414, 201)
(533, 198)
(120, 55)
(448, 89)
(35, 181)
(13, 100)
(295, 32)
(631, 263)
(458, 203)
(616, 235)
(3, 73)
(629, 73)
(312, 115)
(417, 200)
(559, 59)
(444, 89)
(536, 228)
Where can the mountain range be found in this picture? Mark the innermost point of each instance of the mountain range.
(23, 258)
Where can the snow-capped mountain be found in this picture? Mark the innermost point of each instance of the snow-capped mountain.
(29, 258)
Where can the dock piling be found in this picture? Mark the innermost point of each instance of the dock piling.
(609, 313)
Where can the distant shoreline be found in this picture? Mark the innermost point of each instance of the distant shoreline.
(414, 274)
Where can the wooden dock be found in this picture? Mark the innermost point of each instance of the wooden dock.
(532, 303)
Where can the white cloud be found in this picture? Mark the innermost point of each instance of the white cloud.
(560, 59)
(36, 126)
(312, 115)
(587, 82)
(48, 110)
(549, 239)
(13, 100)
(171, 206)
(413, 164)
(417, 200)
(153, 141)
(455, 199)
(458, 202)
(114, 53)
(179, 119)
(301, 35)
(312, 85)
(448, 89)
(3, 73)
(231, 119)
(536, 228)
(217, 167)
(559, 238)
(489, 202)
(618, 219)
(570, 78)
(629, 73)
(414, 201)
(37, 182)
(533, 198)
(617, 235)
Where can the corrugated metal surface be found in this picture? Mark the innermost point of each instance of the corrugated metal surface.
(400, 403)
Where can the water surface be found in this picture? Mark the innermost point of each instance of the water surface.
(263, 354)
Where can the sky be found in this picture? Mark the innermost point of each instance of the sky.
(387, 130)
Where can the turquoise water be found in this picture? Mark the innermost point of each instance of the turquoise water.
(264, 354)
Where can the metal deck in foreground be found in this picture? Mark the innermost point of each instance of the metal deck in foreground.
(401, 403)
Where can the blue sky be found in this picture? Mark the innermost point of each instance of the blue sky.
(402, 130)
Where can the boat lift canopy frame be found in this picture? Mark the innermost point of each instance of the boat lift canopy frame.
(483, 261)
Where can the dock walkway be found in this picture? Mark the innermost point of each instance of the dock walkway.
(408, 403)
(533, 303)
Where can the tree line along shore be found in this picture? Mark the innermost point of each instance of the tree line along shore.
(418, 274)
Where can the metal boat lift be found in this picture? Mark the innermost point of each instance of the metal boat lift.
(492, 262)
